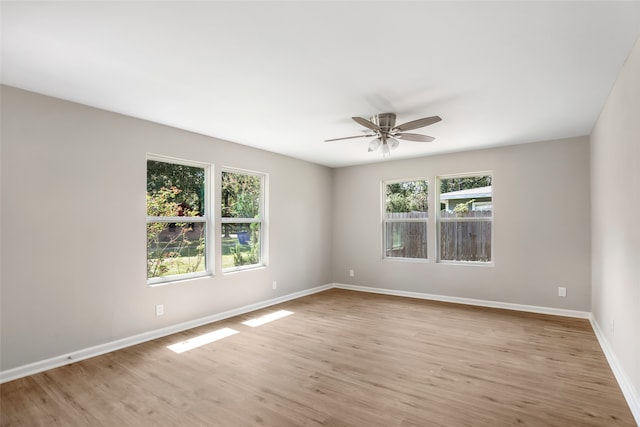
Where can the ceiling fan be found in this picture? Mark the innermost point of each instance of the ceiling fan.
(383, 128)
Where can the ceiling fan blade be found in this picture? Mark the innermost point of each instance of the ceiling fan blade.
(366, 123)
(414, 137)
(348, 137)
(415, 124)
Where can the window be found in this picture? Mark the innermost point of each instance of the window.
(177, 219)
(405, 219)
(465, 219)
(242, 195)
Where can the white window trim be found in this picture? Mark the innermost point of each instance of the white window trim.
(439, 219)
(207, 219)
(264, 179)
(384, 220)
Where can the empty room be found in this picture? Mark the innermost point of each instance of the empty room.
(287, 213)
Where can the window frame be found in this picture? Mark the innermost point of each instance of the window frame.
(262, 220)
(384, 220)
(439, 220)
(206, 219)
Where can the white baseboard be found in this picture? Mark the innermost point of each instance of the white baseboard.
(630, 393)
(75, 356)
(469, 301)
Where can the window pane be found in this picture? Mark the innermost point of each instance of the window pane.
(175, 248)
(240, 244)
(408, 196)
(175, 190)
(240, 195)
(465, 241)
(406, 239)
(465, 221)
(405, 219)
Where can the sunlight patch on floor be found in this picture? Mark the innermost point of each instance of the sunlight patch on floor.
(201, 340)
(258, 321)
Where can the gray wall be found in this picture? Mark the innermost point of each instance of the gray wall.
(73, 228)
(73, 233)
(615, 169)
(541, 226)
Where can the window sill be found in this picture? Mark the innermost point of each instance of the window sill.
(234, 270)
(402, 259)
(468, 263)
(161, 281)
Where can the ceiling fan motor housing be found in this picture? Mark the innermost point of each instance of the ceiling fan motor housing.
(385, 121)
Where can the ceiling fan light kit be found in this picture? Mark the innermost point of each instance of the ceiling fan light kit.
(387, 133)
(374, 144)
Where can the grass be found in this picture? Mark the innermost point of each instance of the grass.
(181, 264)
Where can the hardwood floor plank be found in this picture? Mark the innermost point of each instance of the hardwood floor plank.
(343, 358)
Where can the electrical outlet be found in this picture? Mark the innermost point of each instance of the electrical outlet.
(274, 285)
(159, 309)
(352, 273)
(562, 291)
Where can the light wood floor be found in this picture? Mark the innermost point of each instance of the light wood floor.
(342, 359)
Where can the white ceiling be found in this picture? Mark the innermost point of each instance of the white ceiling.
(285, 76)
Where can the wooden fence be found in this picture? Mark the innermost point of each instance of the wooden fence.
(466, 240)
(406, 239)
(462, 238)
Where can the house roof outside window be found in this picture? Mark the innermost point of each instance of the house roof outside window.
(470, 193)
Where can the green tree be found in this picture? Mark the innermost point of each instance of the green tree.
(448, 185)
(189, 179)
(240, 194)
(407, 196)
(461, 209)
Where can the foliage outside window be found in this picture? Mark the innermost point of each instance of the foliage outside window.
(405, 219)
(466, 218)
(242, 212)
(176, 220)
